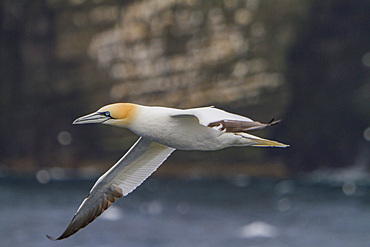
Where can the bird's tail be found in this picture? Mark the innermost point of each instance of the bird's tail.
(255, 141)
(268, 143)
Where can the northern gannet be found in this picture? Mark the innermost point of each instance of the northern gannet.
(162, 130)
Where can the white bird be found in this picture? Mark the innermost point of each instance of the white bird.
(162, 130)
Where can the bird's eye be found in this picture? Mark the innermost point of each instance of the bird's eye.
(107, 113)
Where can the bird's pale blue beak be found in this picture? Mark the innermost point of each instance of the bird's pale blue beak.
(95, 117)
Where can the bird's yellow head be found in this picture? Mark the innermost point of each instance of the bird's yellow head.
(119, 114)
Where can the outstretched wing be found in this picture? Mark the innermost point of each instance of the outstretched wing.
(129, 172)
(222, 120)
(207, 115)
(240, 126)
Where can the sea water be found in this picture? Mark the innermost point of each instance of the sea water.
(236, 212)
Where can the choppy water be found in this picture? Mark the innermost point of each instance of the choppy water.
(190, 213)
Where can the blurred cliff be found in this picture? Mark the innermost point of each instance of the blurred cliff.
(307, 62)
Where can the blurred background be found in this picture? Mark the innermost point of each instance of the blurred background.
(307, 62)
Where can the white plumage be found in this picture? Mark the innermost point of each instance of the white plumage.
(162, 130)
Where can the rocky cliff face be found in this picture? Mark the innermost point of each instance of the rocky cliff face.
(61, 59)
(329, 71)
(180, 53)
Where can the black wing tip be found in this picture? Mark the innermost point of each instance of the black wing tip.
(56, 239)
(274, 122)
(52, 238)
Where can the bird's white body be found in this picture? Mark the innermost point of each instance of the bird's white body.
(162, 130)
(178, 129)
